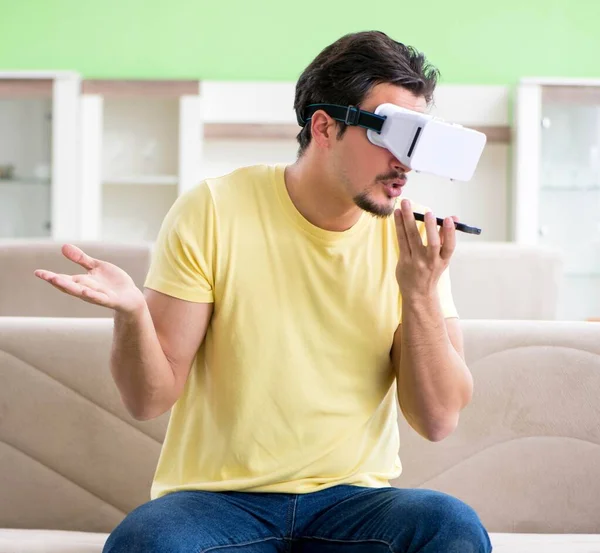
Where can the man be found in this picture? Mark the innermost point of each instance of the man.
(286, 313)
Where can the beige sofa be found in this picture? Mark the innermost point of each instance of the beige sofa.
(22, 294)
(490, 280)
(525, 456)
(506, 281)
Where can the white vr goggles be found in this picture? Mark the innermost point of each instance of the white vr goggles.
(419, 141)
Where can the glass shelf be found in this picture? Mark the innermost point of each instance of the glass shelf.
(582, 275)
(24, 182)
(591, 188)
(141, 179)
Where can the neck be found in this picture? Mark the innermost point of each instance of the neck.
(319, 199)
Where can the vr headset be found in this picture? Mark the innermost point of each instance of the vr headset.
(419, 141)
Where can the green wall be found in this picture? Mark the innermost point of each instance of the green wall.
(478, 42)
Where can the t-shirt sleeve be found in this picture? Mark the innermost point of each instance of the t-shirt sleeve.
(183, 257)
(444, 286)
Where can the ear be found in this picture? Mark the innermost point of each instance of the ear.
(323, 129)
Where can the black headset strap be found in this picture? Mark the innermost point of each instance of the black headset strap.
(350, 115)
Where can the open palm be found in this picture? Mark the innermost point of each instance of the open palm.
(104, 284)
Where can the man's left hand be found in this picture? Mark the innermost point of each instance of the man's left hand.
(420, 266)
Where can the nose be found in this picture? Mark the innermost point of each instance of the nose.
(399, 166)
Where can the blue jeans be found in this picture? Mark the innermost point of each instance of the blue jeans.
(344, 518)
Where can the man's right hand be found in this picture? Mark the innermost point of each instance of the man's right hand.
(104, 284)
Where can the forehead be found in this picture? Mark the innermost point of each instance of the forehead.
(386, 93)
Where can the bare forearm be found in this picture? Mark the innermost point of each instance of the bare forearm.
(139, 366)
(434, 383)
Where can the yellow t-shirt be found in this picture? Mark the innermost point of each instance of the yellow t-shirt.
(292, 389)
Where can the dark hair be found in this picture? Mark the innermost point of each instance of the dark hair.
(345, 72)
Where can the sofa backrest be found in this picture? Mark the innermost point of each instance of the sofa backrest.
(525, 454)
(506, 281)
(490, 280)
(22, 294)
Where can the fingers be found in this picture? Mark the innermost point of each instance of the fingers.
(401, 233)
(64, 283)
(88, 282)
(433, 238)
(44, 275)
(440, 243)
(448, 237)
(73, 253)
(52, 278)
(93, 296)
(410, 225)
(70, 285)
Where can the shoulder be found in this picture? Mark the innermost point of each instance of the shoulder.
(245, 181)
(220, 194)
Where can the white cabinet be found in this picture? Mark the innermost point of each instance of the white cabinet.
(247, 123)
(141, 148)
(39, 192)
(116, 154)
(557, 183)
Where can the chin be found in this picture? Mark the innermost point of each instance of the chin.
(379, 209)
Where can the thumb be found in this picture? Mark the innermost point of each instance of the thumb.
(73, 253)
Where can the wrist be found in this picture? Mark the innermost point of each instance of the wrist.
(133, 311)
(420, 299)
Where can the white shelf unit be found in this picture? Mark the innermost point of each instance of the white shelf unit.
(124, 150)
(141, 148)
(557, 182)
(247, 123)
(39, 118)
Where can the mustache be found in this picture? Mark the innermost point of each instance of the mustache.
(393, 175)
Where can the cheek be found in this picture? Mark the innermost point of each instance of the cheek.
(366, 155)
(361, 160)
(375, 155)
(375, 162)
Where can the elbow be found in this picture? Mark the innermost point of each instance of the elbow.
(439, 428)
(143, 415)
(440, 433)
(145, 411)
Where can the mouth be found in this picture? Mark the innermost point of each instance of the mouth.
(394, 188)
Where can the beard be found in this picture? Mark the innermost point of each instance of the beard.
(364, 201)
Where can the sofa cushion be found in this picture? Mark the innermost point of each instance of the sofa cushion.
(545, 543)
(50, 541)
(56, 541)
(524, 456)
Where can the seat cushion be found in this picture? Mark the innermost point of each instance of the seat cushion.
(56, 541)
(546, 543)
(50, 541)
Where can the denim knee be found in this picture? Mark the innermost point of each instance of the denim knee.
(142, 531)
(458, 527)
